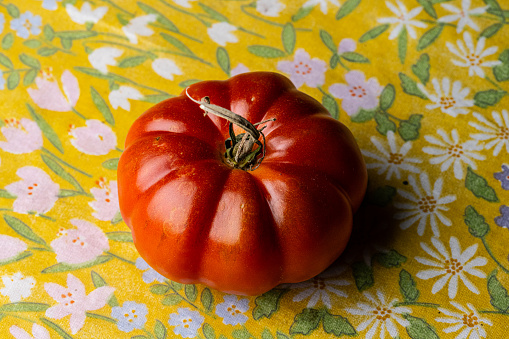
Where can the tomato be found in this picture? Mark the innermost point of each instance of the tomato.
(198, 216)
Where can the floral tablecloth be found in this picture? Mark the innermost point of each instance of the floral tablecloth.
(422, 84)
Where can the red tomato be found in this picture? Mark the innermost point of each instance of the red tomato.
(196, 219)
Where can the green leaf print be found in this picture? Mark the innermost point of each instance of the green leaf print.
(66, 43)
(13, 80)
(160, 17)
(331, 105)
(429, 37)
(363, 116)
(48, 32)
(387, 97)
(428, 7)
(223, 60)
(6, 195)
(189, 82)
(355, 57)
(490, 31)
(374, 32)
(29, 77)
(16, 258)
(241, 333)
(47, 51)
(5, 61)
(384, 124)
(390, 259)
(419, 328)
(75, 35)
(13, 10)
(24, 307)
(32, 43)
(268, 303)
(63, 267)
(156, 98)
(213, 13)
(191, 292)
(306, 322)
(407, 286)
(177, 43)
(207, 299)
(58, 170)
(475, 222)
(102, 106)
(29, 61)
(302, 13)
(208, 331)
(337, 325)
(111, 164)
(346, 8)
(266, 51)
(23, 229)
(498, 293)
(55, 328)
(159, 289)
(289, 38)
(402, 45)
(132, 61)
(363, 275)
(120, 236)
(171, 300)
(410, 86)
(328, 41)
(409, 129)
(8, 41)
(160, 331)
(501, 72)
(421, 68)
(487, 98)
(266, 334)
(479, 186)
(46, 129)
(382, 196)
(99, 281)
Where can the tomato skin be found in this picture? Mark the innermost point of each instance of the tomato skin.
(197, 220)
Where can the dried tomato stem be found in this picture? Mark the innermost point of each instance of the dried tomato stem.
(241, 145)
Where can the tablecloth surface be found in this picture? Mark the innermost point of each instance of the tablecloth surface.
(422, 84)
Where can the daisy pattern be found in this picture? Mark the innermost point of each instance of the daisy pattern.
(462, 15)
(451, 266)
(467, 320)
(319, 287)
(496, 133)
(392, 159)
(451, 103)
(322, 3)
(475, 57)
(449, 151)
(380, 314)
(403, 19)
(421, 205)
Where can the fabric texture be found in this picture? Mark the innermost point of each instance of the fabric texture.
(422, 84)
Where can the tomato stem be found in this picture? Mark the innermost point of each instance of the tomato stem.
(240, 152)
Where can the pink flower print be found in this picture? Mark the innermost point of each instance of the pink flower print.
(358, 94)
(347, 45)
(96, 138)
(74, 301)
(38, 332)
(23, 136)
(105, 204)
(11, 247)
(77, 246)
(35, 193)
(304, 70)
(48, 94)
(241, 68)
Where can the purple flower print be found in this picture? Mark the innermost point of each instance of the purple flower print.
(358, 94)
(304, 70)
(150, 275)
(23, 136)
(347, 45)
(35, 193)
(76, 246)
(50, 96)
(503, 177)
(503, 219)
(130, 316)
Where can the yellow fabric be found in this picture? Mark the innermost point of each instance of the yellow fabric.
(421, 84)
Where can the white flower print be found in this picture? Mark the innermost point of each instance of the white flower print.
(232, 310)
(451, 266)
(319, 287)
(422, 205)
(322, 3)
(221, 33)
(467, 320)
(451, 103)
(102, 57)
(138, 26)
(497, 133)
(462, 15)
(36, 192)
(38, 332)
(11, 247)
(449, 151)
(23, 136)
(186, 322)
(183, 3)
(403, 19)
(86, 13)
(17, 286)
(166, 68)
(380, 314)
(119, 97)
(475, 57)
(393, 159)
(269, 7)
(241, 68)
(105, 204)
(96, 138)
